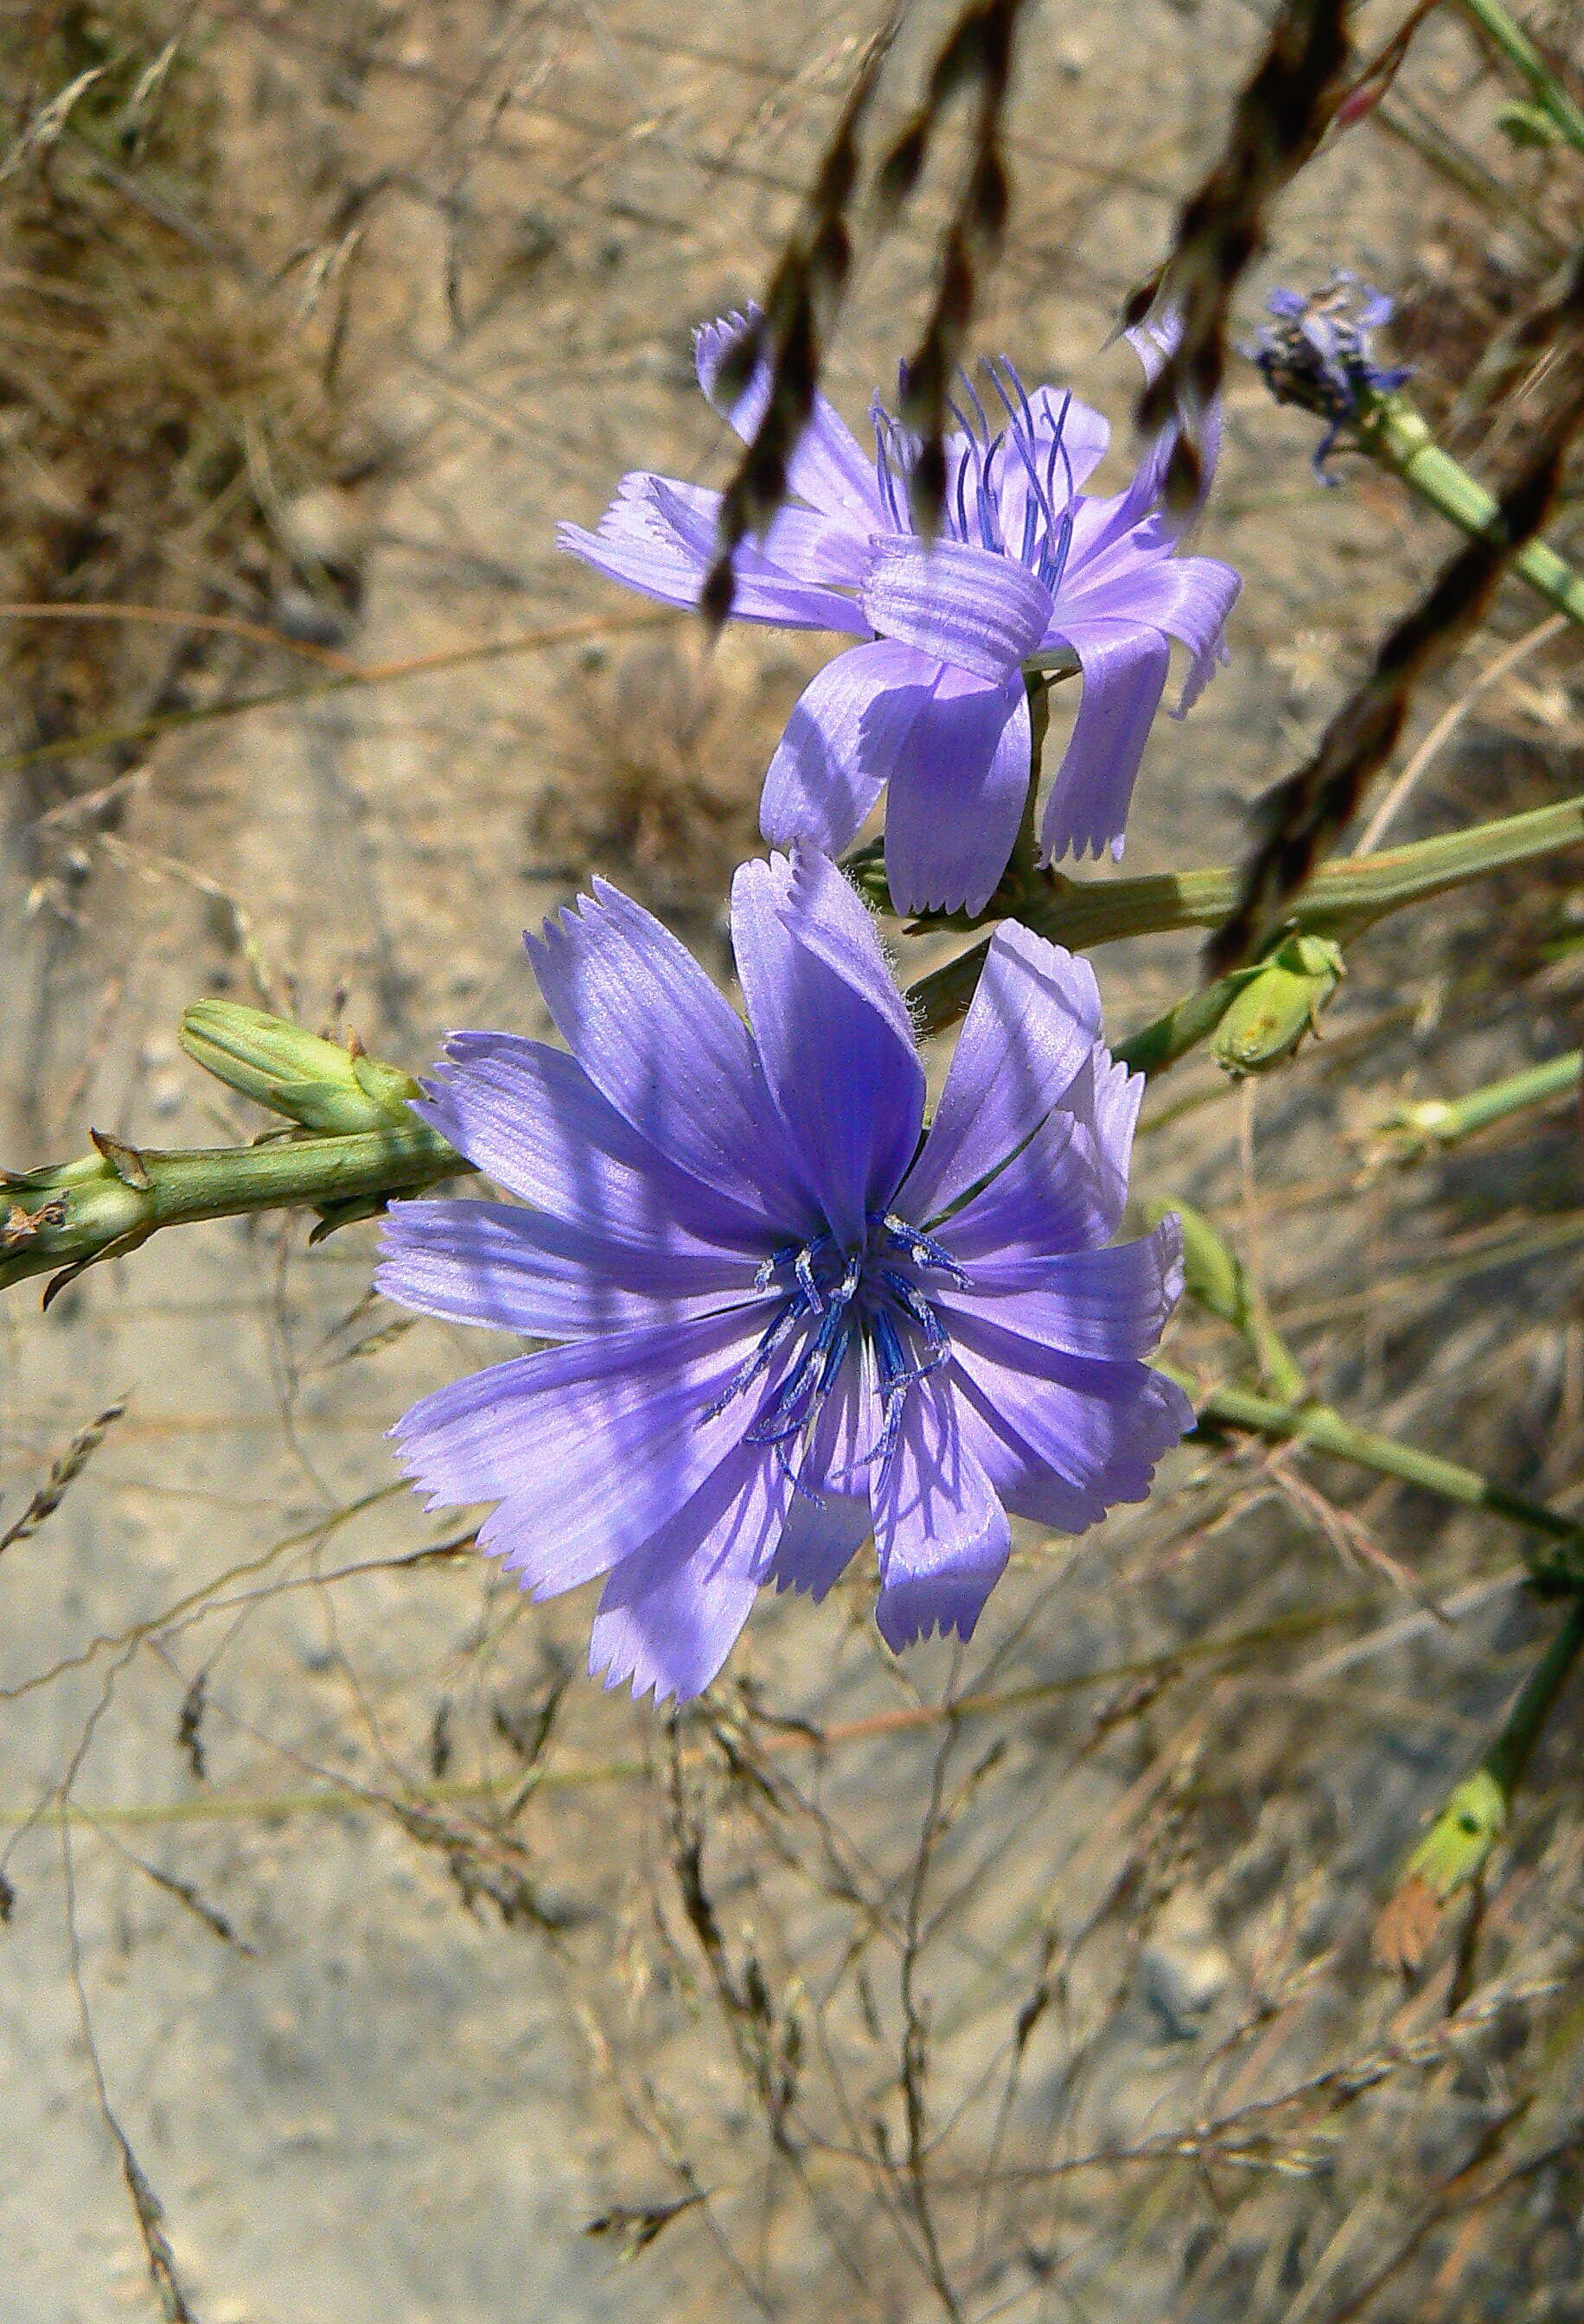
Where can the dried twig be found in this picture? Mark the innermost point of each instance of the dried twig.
(1278, 121)
(63, 1475)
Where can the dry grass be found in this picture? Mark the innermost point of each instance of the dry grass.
(1033, 1981)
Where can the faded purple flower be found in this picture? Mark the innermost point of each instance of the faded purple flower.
(1317, 352)
(784, 1324)
(1026, 564)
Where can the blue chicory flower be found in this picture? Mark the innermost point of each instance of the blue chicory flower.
(1026, 565)
(784, 1324)
(1317, 352)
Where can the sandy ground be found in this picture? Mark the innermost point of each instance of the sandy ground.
(362, 2100)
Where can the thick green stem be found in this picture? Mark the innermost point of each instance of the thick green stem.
(1341, 897)
(1394, 433)
(110, 1202)
(1520, 52)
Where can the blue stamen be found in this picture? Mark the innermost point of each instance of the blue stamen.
(923, 1249)
(973, 398)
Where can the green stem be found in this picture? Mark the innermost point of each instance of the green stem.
(1520, 52)
(110, 1202)
(1342, 897)
(1413, 1129)
(1394, 433)
(1327, 1430)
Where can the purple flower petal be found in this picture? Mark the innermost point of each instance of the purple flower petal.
(1099, 1427)
(528, 1116)
(826, 1525)
(588, 1448)
(1189, 598)
(670, 1614)
(1048, 1198)
(1115, 1435)
(667, 1050)
(827, 468)
(1111, 1303)
(658, 537)
(1124, 676)
(834, 1033)
(1031, 1027)
(940, 1533)
(970, 607)
(958, 791)
(1103, 1101)
(520, 1270)
(797, 543)
(841, 744)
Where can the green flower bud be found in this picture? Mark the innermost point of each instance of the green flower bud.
(1274, 1010)
(313, 1082)
(1462, 1836)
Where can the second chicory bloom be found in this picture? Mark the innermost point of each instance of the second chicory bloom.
(786, 1322)
(1317, 352)
(1026, 565)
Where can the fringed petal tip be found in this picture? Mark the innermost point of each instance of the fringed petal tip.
(909, 1611)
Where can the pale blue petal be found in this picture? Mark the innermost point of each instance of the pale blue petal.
(958, 792)
(530, 1118)
(828, 469)
(671, 1612)
(588, 1448)
(841, 744)
(1031, 1027)
(658, 537)
(1048, 1198)
(1099, 1427)
(520, 1270)
(940, 1532)
(834, 1033)
(1111, 1303)
(669, 1052)
(828, 1518)
(978, 611)
(1124, 674)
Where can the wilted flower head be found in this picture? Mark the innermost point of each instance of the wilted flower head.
(784, 1324)
(1026, 565)
(1317, 353)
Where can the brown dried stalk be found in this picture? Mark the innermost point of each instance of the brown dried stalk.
(1276, 124)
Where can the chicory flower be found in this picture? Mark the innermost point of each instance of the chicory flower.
(1317, 352)
(784, 1323)
(1026, 565)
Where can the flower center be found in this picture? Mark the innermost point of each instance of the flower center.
(983, 497)
(834, 1300)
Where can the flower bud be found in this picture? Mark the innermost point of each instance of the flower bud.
(310, 1081)
(1274, 1010)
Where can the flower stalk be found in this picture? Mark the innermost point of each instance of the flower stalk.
(355, 1143)
(1397, 436)
(1547, 91)
(1458, 1845)
(1339, 899)
(1410, 1132)
(1559, 1565)
(1215, 1280)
